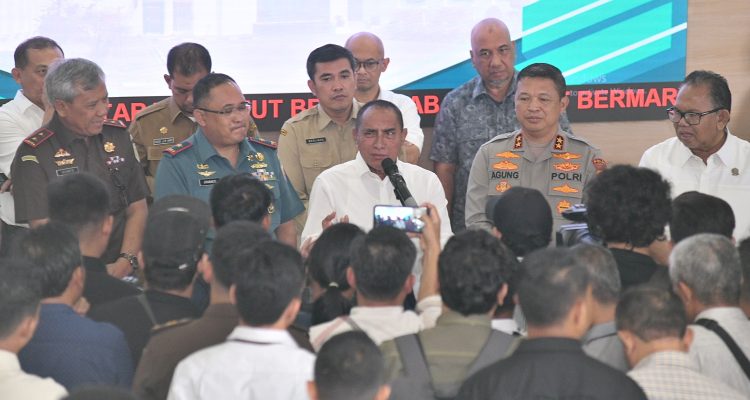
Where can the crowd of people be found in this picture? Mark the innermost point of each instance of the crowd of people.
(187, 257)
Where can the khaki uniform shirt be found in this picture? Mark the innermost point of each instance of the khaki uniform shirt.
(310, 143)
(158, 127)
(560, 173)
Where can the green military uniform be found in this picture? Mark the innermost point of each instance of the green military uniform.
(54, 151)
(193, 167)
(560, 173)
(310, 143)
(160, 126)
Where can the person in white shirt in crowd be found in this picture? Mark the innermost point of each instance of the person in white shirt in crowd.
(350, 190)
(706, 273)
(371, 61)
(20, 295)
(704, 155)
(381, 274)
(653, 326)
(22, 116)
(259, 359)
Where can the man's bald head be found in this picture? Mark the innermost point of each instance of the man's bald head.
(371, 62)
(489, 27)
(492, 53)
(365, 40)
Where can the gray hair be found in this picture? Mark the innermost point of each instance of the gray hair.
(709, 265)
(602, 268)
(67, 78)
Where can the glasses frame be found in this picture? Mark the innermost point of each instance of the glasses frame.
(224, 113)
(363, 64)
(682, 115)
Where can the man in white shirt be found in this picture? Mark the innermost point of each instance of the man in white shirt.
(706, 273)
(20, 294)
(704, 156)
(22, 116)
(653, 327)
(371, 61)
(259, 359)
(353, 188)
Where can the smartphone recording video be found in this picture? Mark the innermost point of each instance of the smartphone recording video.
(400, 217)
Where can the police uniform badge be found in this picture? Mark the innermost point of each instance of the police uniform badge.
(60, 153)
(109, 147)
(163, 130)
(562, 206)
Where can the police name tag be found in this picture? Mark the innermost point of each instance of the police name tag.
(208, 181)
(163, 141)
(315, 140)
(66, 171)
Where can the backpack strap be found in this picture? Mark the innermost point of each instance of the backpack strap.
(496, 347)
(147, 308)
(412, 357)
(731, 344)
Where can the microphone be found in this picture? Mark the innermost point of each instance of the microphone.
(399, 185)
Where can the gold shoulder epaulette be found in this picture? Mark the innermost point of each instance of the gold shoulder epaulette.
(38, 137)
(178, 148)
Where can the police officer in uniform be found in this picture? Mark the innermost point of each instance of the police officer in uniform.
(540, 155)
(220, 148)
(77, 139)
(170, 121)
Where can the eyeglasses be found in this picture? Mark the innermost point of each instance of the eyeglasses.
(241, 108)
(692, 118)
(368, 65)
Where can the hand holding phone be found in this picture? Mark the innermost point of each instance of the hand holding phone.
(405, 218)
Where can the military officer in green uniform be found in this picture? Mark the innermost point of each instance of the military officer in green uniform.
(78, 139)
(170, 121)
(220, 147)
(540, 155)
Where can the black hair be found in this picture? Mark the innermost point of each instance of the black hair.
(694, 212)
(21, 55)
(267, 278)
(79, 201)
(20, 294)
(472, 269)
(651, 313)
(349, 366)
(382, 260)
(381, 105)
(202, 88)
(188, 59)
(603, 272)
(239, 197)
(231, 239)
(721, 97)
(53, 251)
(328, 53)
(327, 263)
(546, 71)
(629, 205)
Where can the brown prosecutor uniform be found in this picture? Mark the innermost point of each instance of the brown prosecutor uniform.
(560, 172)
(310, 143)
(53, 152)
(160, 126)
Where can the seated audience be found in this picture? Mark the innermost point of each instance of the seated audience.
(20, 294)
(628, 208)
(707, 275)
(81, 202)
(349, 367)
(473, 271)
(601, 341)
(327, 264)
(172, 249)
(555, 294)
(744, 249)
(241, 197)
(170, 345)
(259, 359)
(653, 326)
(694, 212)
(67, 347)
(522, 219)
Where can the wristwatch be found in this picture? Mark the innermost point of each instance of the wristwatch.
(133, 260)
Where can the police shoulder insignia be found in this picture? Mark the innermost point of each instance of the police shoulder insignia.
(599, 164)
(283, 132)
(518, 142)
(178, 148)
(38, 137)
(263, 142)
(115, 123)
(559, 142)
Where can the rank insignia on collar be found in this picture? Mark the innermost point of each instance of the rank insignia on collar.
(505, 166)
(566, 156)
(206, 173)
(600, 165)
(518, 143)
(163, 130)
(507, 154)
(562, 206)
(283, 132)
(60, 153)
(565, 189)
(559, 142)
(202, 166)
(67, 161)
(109, 147)
(503, 186)
(567, 166)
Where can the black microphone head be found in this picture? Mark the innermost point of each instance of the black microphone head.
(389, 166)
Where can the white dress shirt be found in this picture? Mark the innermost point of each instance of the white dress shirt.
(253, 364)
(19, 118)
(726, 174)
(352, 189)
(405, 104)
(672, 375)
(380, 323)
(18, 385)
(712, 356)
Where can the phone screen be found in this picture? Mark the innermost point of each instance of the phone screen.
(400, 217)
